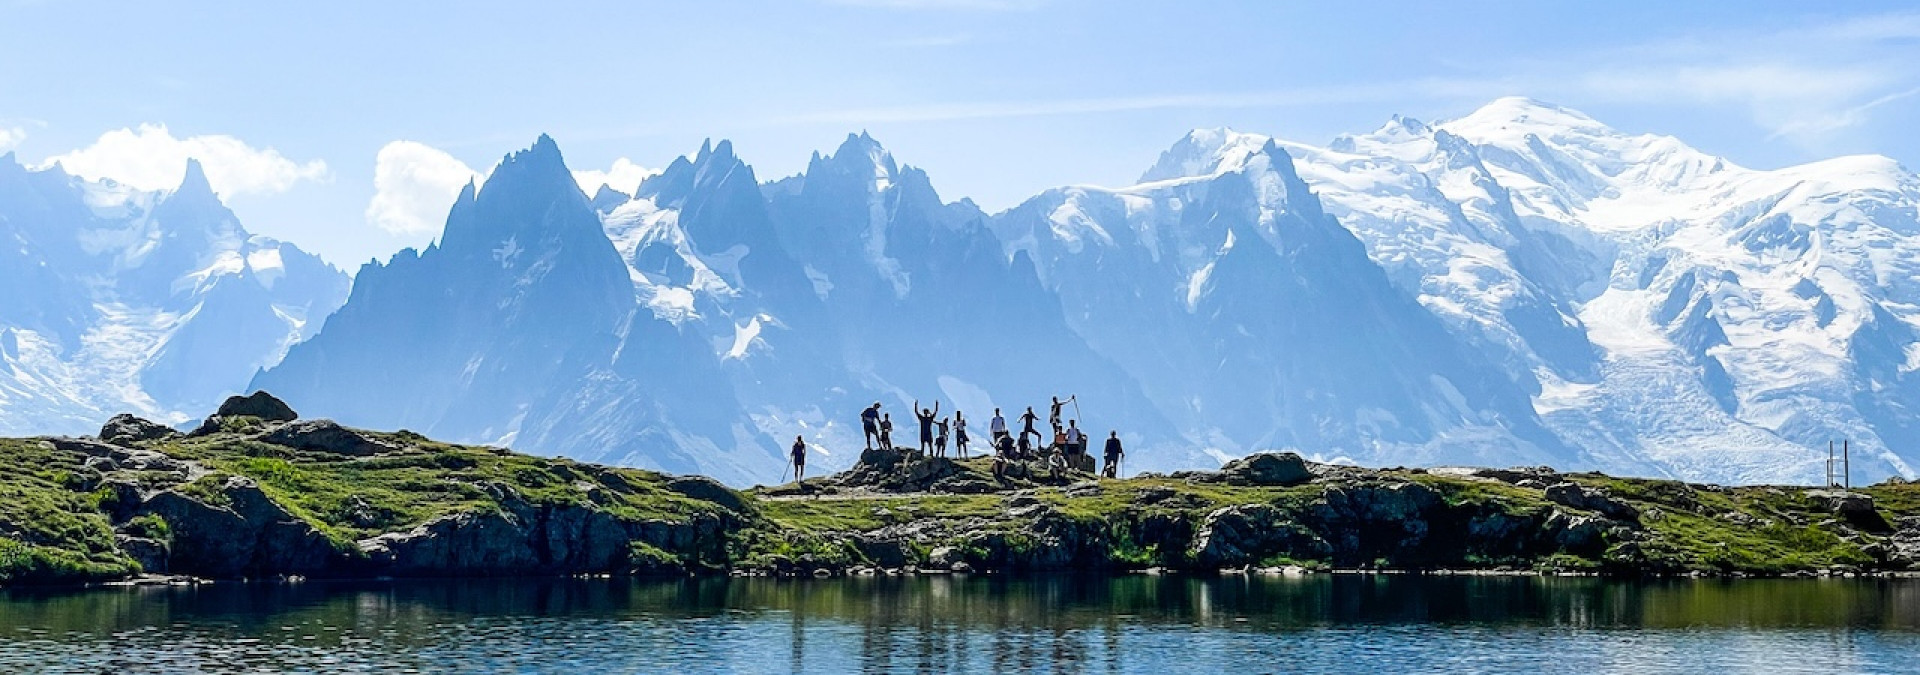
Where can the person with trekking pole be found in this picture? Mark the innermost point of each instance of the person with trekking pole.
(798, 459)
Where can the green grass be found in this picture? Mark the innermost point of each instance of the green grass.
(50, 524)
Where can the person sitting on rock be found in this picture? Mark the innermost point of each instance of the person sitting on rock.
(1027, 421)
(926, 416)
(940, 436)
(1025, 449)
(870, 423)
(1002, 456)
(1113, 455)
(1057, 465)
(886, 431)
(1076, 440)
(960, 434)
(799, 459)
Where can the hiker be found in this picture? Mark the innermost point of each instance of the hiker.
(1059, 442)
(1025, 449)
(997, 426)
(799, 459)
(926, 424)
(960, 434)
(886, 431)
(1003, 455)
(1076, 440)
(870, 423)
(1113, 453)
(1056, 465)
(1027, 421)
(940, 439)
(1053, 415)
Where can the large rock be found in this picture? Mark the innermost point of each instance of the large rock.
(246, 535)
(258, 404)
(126, 428)
(1856, 508)
(122, 457)
(1247, 534)
(1267, 468)
(707, 490)
(327, 436)
(1591, 499)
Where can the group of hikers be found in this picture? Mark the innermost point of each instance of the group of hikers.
(1068, 441)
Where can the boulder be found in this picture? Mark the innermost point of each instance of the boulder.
(327, 436)
(247, 535)
(1856, 508)
(1267, 469)
(151, 554)
(943, 557)
(1247, 534)
(123, 458)
(258, 404)
(1591, 499)
(707, 490)
(125, 428)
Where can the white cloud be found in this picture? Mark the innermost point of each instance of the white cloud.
(10, 137)
(151, 158)
(624, 176)
(414, 185)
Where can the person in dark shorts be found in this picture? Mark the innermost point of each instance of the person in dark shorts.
(1026, 421)
(886, 431)
(960, 434)
(926, 417)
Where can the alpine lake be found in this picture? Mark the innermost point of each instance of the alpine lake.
(1337, 623)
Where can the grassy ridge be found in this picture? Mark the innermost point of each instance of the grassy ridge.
(55, 524)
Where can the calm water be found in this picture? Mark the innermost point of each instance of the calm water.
(1362, 624)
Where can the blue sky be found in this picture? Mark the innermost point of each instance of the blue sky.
(302, 110)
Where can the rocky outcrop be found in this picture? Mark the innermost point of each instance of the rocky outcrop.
(258, 404)
(1265, 469)
(1591, 499)
(241, 532)
(1250, 534)
(1856, 508)
(327, 436)
(125, 428)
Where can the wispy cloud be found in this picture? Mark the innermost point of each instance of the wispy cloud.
(1804, 84)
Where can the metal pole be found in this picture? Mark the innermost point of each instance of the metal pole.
(1846, 462)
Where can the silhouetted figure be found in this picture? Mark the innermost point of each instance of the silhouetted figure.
(1053, 414)
(886, 431)
(1025, 448)
(1113, 455)
(870, 423)
(926, 424)
(799, 459)
(1026, 421)
(960, 433)
(997, 426)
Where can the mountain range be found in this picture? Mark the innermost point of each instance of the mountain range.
(1522, 285)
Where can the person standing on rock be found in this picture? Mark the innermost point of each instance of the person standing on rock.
(1053, 415)
(1114, 453)
(926, 424)
(886, 431)
(870, 423)
(1076, 439)
(799, 456)
(960, 433)
(940, 436)
(997, 426)
(1027, 420)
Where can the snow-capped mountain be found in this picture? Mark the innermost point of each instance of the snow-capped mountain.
(1671, 312)
(1522, 285)
(120, 300)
